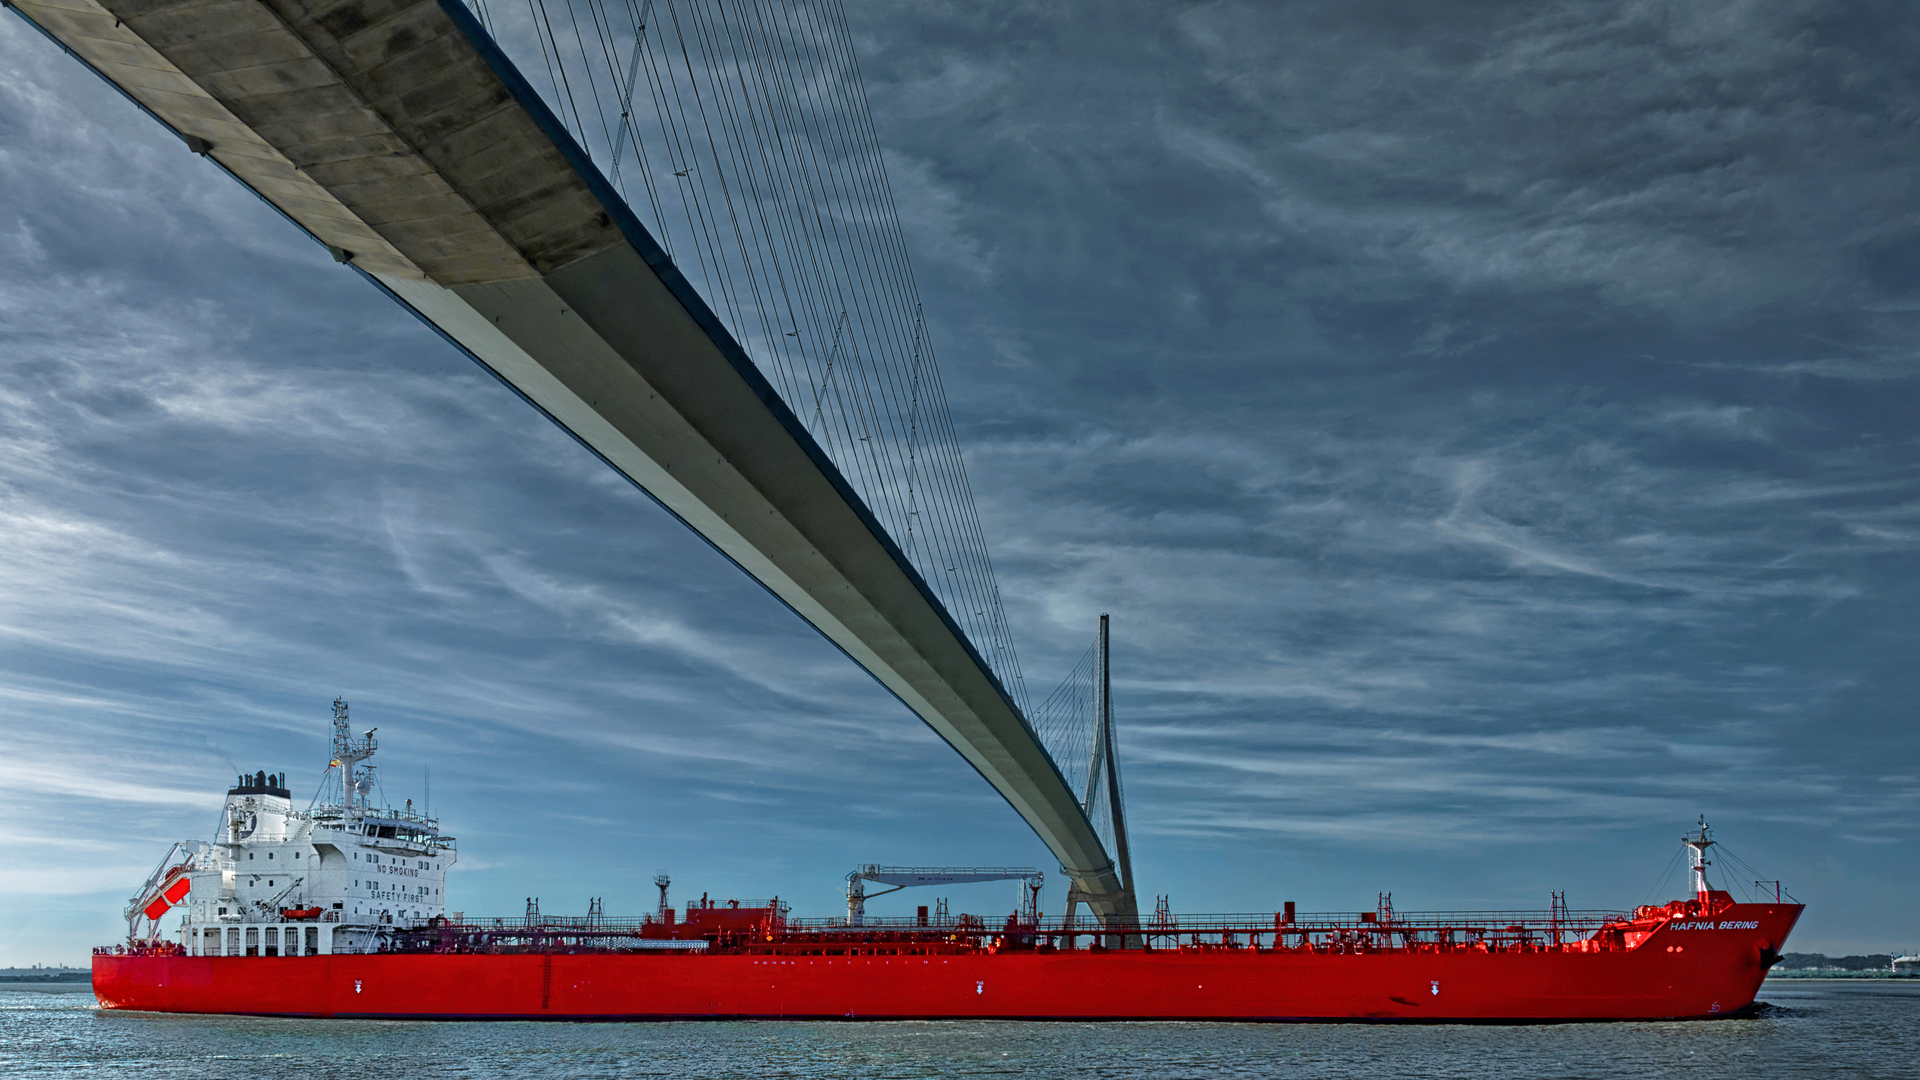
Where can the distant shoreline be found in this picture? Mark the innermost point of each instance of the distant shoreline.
(1843, 973)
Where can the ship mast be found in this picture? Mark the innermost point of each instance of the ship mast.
(348, 753)
(1699, 843)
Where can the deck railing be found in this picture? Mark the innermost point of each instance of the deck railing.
(1225, 929)
(1265, 922)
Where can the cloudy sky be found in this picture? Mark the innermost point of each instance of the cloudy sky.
(1490, 426)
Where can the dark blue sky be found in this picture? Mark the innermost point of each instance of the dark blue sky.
(1489, 425)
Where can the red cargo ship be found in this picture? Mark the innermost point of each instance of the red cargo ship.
(337, 911)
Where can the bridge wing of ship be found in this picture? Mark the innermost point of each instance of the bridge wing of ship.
(398, 134)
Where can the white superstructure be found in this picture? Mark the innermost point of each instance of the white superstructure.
(337, 877)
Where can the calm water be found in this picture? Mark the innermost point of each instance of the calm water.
(1812, 1029)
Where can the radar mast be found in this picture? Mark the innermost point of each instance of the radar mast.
(1699, 843)
(355, 780)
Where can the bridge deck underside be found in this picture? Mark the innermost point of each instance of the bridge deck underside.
(396, 133)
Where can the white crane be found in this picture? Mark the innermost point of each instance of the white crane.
(906, 877)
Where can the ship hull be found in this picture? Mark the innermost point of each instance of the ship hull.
(1681, 971)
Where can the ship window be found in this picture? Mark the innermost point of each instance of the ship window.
(249, 854)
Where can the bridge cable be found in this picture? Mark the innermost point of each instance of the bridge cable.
(565, 83)
(762, 111)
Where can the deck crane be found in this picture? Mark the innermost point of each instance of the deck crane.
(906, 877)
(273, 904)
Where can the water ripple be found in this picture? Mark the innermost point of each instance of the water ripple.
(1807, 1030)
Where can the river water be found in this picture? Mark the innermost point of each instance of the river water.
(1853, 1029)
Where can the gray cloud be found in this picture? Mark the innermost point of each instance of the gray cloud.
(1490, 427)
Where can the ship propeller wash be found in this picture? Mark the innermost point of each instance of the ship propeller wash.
(339, 911)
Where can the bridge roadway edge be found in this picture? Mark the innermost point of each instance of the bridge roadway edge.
(576, 352)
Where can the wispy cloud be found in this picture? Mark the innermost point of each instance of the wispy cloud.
(1487, 426)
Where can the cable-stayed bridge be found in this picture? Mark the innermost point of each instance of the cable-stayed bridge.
(668, 226)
